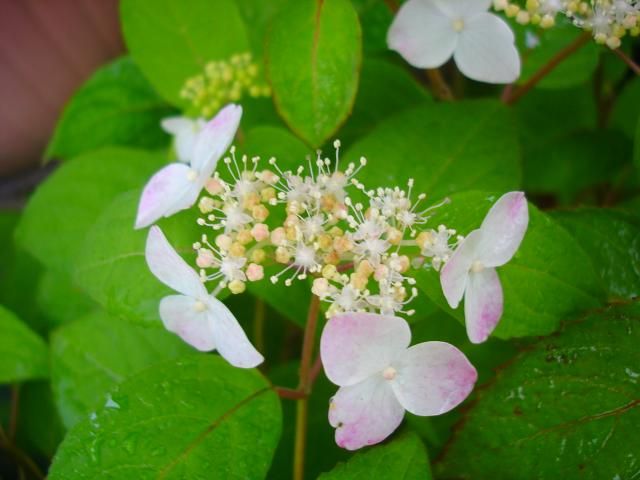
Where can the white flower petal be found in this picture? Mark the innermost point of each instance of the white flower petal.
(354, 346)
(175, 125)
(181, 316)
(230, 339)
(167, 192)
(461, 9)
(169, 267)
(486, 50)
(483, 303)
(422, 34)
(214, 139)
(453, 277)
(503, 229)
(433, 378)
(365, 413)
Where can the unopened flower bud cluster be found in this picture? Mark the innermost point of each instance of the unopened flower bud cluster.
(358, 254)
(223, 82)
(608, 20)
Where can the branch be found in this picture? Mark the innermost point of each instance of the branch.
(628, 60)
(510, 96)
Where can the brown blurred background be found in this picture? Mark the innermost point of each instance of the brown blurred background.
(47, 49)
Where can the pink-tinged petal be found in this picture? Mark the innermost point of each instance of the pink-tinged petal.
(453, 276)
(230, 339)
(354, 346)
(486, 51)
(422, 34)
(433, 378)
(169, 267)
(483, 303)
(461, 9)
(183, 316)
(365, 413)
(170, 190)
(214, 139)
(503, 229)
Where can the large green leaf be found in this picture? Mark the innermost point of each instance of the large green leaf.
(111, 266)
(24, 354)
(59, 300)
(636, 147)
(116, 106)
(612, 240)
(446, 147)
(373, 102)
(568, 407)
(85, 366)
(549, 278)
(375, 17)
(172, 40)
(403, 458)
(626, 114)
(576, 162)
(315, 77)
(195, 418)
(56, 220)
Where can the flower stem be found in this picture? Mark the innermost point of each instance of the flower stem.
(511, 95)
(439, 86)
(304, 386)
(628, 60)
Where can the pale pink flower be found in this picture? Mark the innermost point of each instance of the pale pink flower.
(199, 318)
(427, 33)
(380, 376)
(471, 273)
(177, 186)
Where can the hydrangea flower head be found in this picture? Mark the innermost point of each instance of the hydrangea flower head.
(380, 376)
(177, 186)
(471, 270)
(199, 318)
(427, 33)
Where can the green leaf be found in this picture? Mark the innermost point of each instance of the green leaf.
(446, 147)
(636, 147)
(58, 216)
(403, 458)
(24, 354)
(111, 265)
(574, 70)
(19, 271)
(625, 113)
(172, 40)
(259, 15)
(576, 162)
(549, 278)
(373, 102)
(40, 427)
(59, 300)
(567, 407)
(315, 77)
(194, 418)
(375, 18)
(612, 240)
(115, 107)
(85, 367)
(270, 141)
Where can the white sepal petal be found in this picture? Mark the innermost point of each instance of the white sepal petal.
(167, 192)
(181, 315)
(503, 229)
(231, 341)
(433, 378)
(453, 276)
(483, 304)
(422, 34)
(169, 267)
(354, 346)
(365, 413)
(214, 139)
(486, 50)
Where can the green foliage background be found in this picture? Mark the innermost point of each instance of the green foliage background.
(96, 388)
